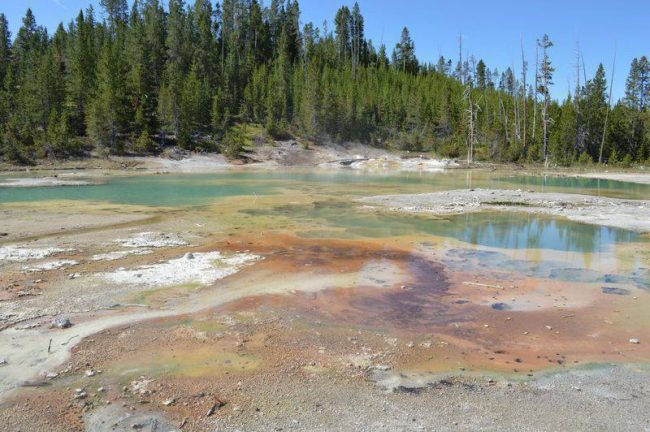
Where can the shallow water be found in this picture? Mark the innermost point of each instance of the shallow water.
(329, 259)
(492, 229)
(333, 213)
(588, 186)
(186, 190)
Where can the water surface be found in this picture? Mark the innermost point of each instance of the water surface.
(188, 190)
(589, 186)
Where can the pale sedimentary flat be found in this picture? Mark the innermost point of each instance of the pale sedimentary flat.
(618, 213)
(23, 253)
(391, 164)
(115, 255)
(201, 267)
(42, 181)
(151, 240)
(189, 164)
(50, 265)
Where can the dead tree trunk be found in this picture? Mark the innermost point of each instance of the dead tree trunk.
(471, 124)
(524, 70)
(536, 87)
(609, 105)
(505, 121)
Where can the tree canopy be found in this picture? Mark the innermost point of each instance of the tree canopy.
(193, 72)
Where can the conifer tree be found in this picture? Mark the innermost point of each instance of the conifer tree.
(81, 78)
(5, 48)
(546, 80)
(404, 54)
(195, 73)
(594, 106)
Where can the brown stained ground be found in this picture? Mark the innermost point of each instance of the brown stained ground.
(239, 353)
(560, 323)
(339, 309)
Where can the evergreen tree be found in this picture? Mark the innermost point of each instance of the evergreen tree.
(343, 26)
(5, 64)
(546, 80)
(594, 107)
(404, 54)
(116, 11)
(195, 74)
(81, 79)
(5, 48)
(109, 114)
(481, 77)
(194, 108)
(637, 85)
(175, 67)
(357, 41)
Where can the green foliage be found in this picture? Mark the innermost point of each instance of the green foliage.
(404, 54)
(60, 140)
(144, 143)
(191, 73)
(585, 160)
(194, 108)
(627, 161)
(235, 141)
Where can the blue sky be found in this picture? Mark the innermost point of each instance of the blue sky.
(492, 30)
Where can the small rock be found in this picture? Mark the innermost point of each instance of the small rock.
(548, 327)
(169, 402)
(189, 256)
(635, 341)
(73, 275)
(101, 390)
(213, 409)
(61, 322)
(615, 291)
(90, 373)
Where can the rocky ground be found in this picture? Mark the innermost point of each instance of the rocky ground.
(265, 155)
(626, 214)
(260, 373)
